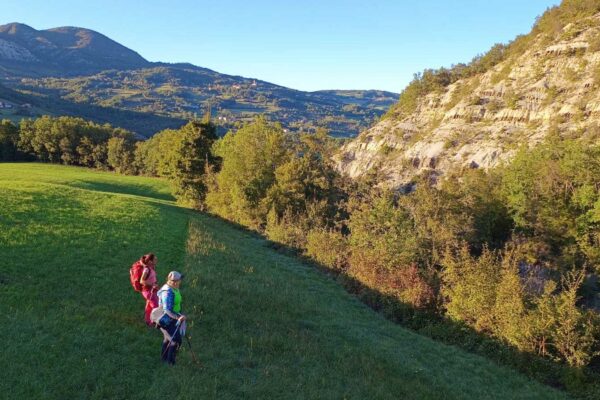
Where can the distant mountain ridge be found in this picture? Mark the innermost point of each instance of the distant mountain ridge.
(84, 67)
(64, 51)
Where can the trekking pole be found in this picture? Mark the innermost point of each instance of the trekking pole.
(187, 339)
(172, 337)
(177, 326)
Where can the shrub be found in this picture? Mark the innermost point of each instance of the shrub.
(469, 285)
(288, 229)
(512, 99)
(502, 74)
(494, 106)
(328, 247)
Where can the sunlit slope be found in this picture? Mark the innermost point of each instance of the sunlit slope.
(264, 325)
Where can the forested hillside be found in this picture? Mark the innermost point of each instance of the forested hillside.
(19, 105)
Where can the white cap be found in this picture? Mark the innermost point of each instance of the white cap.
(174, 276)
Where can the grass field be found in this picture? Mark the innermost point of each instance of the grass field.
(264, 325)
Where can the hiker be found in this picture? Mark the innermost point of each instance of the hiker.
(142, 275)
(172, 322)
(149, 286)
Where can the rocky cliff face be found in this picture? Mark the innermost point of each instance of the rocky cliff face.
(14, 52)
(478, 122)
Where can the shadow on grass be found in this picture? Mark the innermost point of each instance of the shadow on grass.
(124, 188)
(581, 383)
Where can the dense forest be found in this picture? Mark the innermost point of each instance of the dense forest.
(511, 254)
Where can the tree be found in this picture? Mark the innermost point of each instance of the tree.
(551, 193)
(193, 157)
(478, 193)
(382, 234)
(307, 177)
(441, 221)
(250, 157)
(69, 140)
(85, 151)
(560, 328)
(99, 156)
(9, 137)
(120, 155)
(576, 334)
(510, 309)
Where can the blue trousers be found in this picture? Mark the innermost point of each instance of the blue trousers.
(172, 339)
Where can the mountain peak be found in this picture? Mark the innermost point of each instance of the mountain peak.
(15, 28)
(65, 50)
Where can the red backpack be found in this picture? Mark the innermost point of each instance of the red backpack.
(135, 274)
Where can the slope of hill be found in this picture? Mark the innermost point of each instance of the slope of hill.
(32, 105)
(87, 68)
(478, 115)
(264, 325)
(182, 90)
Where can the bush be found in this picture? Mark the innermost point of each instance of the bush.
(469, 285)
(288, 229)
(328, 247)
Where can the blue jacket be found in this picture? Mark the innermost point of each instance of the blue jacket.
(166, 300)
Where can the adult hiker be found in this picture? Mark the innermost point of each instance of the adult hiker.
(149, 285)
(170, 320)
(142, 275)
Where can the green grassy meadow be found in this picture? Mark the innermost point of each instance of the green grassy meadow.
(264, 325)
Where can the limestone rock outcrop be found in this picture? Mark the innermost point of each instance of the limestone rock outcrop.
(480, 121)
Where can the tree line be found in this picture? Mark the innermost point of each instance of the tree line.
(511, 254)
(178, 155)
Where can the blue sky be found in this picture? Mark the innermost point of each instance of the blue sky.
(307, 44)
